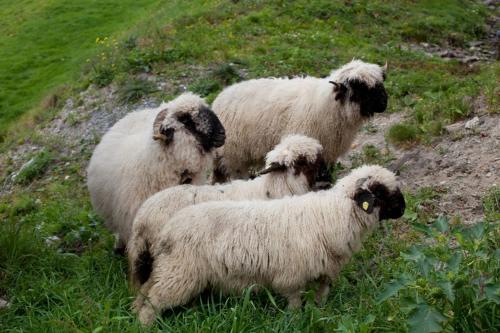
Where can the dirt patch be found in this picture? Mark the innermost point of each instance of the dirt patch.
(462, 164)
(487, 49)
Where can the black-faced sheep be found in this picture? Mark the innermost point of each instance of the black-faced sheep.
(148, 151)
(282, 244)
(295, 166)
(257, 113)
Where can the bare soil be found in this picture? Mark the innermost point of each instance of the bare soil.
(462, 165)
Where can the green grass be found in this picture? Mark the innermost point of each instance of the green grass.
(74, 282)
(44, 44)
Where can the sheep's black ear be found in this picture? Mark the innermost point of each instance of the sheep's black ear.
(340, 90)
(211, 126)
(160, 131)
(206, 128)
(365, 200)
(273, 167)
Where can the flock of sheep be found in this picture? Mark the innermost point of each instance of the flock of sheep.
(164, 180)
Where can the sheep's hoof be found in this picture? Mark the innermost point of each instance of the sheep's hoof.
(294, 302)
(147, 315)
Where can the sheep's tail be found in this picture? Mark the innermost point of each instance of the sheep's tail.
(142, 265)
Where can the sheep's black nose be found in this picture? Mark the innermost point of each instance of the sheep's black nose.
(323, 180)
(394, 206)
(379, 99)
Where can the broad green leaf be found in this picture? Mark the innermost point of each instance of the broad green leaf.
(454, 262)
(392, 288)
(413, 255)
(423, 228)
(474, 232)
(497, 254)
(492, 292)
(425, 319)
(441, 224)
(408, 304)
(447, 289)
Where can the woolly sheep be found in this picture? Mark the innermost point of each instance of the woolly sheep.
(148, 151)
(283, 244)
(329, 109)
(293, 167)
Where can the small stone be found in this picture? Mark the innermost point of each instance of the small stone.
(4, 304)
(453, 127)
(51, 240)
(66, 177)
(475, 43)
(425, 44)
(442, 182)
(488, 174)
(474, 122)
(447, 54)
(468, 60)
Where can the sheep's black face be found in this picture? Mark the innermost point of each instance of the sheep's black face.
(392, 204)
(370, 99)
(205, 127)
(317, 175)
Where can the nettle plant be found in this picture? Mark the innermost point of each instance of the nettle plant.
(451, 280)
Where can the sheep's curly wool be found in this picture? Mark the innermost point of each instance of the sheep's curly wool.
(282, 244)
(148, 151)
(292, 168)
(257, 113)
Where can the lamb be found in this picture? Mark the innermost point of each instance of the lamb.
(293, 167)
(282, 244)
(329, 109)
(148, 151)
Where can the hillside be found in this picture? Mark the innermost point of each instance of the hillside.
(437, 268)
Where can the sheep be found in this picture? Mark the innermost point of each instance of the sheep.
(329, 109)
(281, 244)
(293, 167)
(148, 151)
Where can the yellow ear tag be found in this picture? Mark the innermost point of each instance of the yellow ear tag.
(365, 205)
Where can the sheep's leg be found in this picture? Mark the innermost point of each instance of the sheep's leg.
(173, 286)
(140, 299)
(294, 299)
(120, 247)
(323, 290)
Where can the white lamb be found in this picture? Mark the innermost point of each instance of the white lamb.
(257, 113)
(282, 244)
(293, 167)
(148, 151)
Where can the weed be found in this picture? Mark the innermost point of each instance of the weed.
(404, 133)
(133, 90)
(205, 86)
(102, 75)
(34, 168)
(444, 286)
(491, 204)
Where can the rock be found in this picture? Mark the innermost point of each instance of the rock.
(4, 304)
(474, 122)
(447, 54)
(454, 127)
(476, 43)
(52, 239)
(468, 60)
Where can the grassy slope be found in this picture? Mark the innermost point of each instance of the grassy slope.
(43, 44)
(77, 284)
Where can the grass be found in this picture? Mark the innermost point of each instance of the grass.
(57, 267)
(45, 44)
